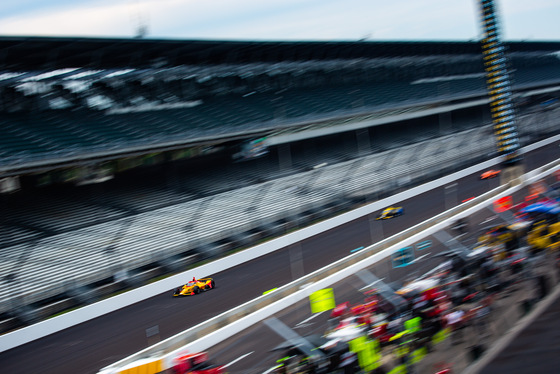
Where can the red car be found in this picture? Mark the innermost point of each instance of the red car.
(490, 174)
(196, 363)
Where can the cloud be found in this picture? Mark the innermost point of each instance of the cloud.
(328, 20)
(91, 19)
(280, 19)
(120, 18)
(536, 19)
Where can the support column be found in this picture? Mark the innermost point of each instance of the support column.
(499, 87)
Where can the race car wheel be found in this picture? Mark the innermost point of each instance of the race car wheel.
(196, 290)
(177, 291)
(212, 284)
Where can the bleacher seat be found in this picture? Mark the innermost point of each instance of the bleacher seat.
(64, 241)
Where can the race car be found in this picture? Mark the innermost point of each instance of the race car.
(390, 212)
(194, 287)
(195, 363)
(490, 174)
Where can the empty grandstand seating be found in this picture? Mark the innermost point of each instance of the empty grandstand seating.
(53, 243)
(79, 250)
(227, 98)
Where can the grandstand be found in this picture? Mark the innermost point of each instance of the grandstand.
(117, 97)
(159, 121)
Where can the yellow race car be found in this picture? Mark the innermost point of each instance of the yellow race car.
(194, 287)
(390, 212)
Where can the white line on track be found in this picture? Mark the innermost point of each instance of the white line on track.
(310, 318)
(271, 369)
(419, 258)
(488, 220)
(371, 284)
(238, 358)
(459, 236)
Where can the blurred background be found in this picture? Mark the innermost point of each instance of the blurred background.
(140, 138)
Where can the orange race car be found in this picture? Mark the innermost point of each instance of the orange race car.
(490, 174)
(194, 287)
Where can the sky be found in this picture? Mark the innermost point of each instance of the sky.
(277, 19)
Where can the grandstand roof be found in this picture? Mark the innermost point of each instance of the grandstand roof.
(48, 52)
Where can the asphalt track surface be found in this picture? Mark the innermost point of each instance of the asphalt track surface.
(88, 347)
(535, 350)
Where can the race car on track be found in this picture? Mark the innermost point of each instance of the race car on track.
(194, 287)
(490, 174)
(390, 212)
(195, 363)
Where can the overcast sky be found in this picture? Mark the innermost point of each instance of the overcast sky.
(278, 19)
